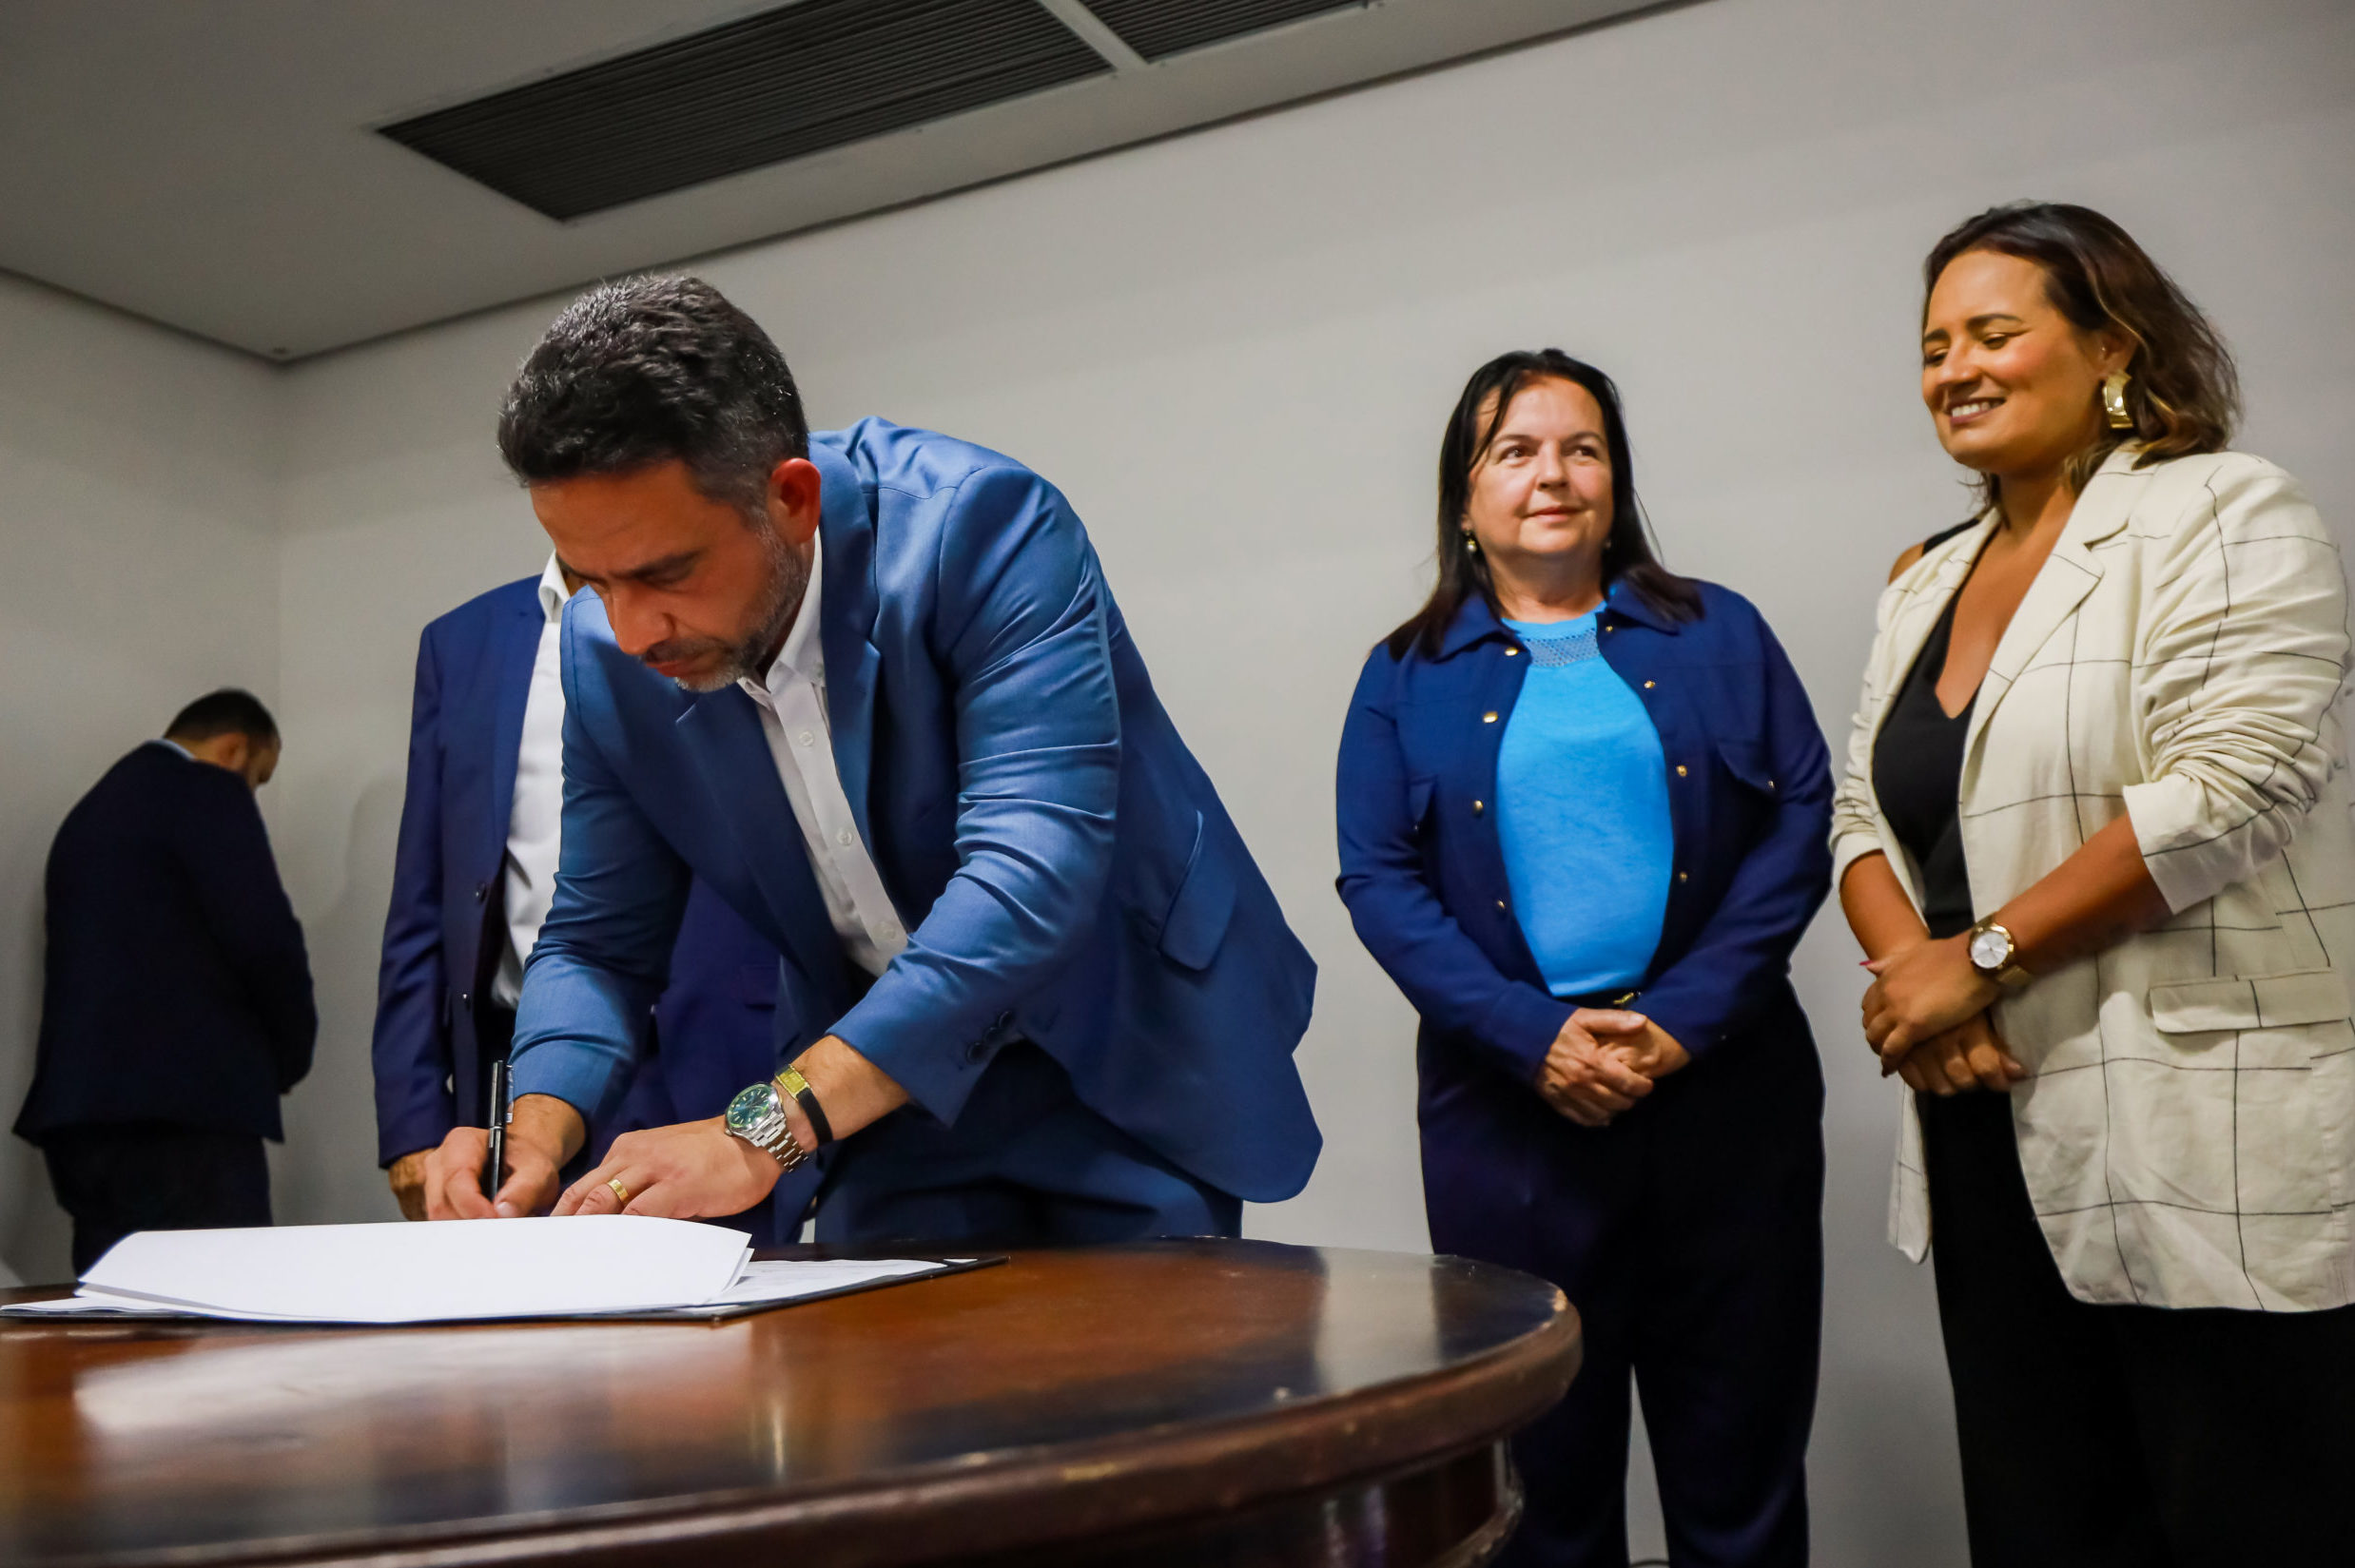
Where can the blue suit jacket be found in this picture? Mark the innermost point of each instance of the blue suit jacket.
(176, 988)
(1749, 803)
(444, 933)
(1064, 868)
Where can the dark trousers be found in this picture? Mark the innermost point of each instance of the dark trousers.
(2124, 1436)
(147, 1176)
(1025, 1165)
(1688, 1234)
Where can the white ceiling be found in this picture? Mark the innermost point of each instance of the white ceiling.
(212, 164)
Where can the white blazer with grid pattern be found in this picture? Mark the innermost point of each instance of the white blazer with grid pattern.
(2186, 1125)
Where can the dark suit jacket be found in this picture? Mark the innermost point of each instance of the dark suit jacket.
(446, 929)
(176, 987)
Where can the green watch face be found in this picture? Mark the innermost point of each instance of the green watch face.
(750, 1109)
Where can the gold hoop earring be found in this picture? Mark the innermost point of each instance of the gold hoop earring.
(2113, 401)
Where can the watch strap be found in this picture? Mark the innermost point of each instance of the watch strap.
(791, 1083)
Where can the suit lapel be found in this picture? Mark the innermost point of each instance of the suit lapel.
(848, 607)
(722, 732)
(2062, 583)
(516, 647)
(1919, 615)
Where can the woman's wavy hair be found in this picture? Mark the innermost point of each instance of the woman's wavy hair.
(2182, 389)
(1627, 552)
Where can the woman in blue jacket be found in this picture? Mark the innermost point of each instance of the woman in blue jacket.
(1583, 815)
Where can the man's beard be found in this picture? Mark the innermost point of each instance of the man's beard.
(772, 615)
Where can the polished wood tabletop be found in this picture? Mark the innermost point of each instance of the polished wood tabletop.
(1164, 1402)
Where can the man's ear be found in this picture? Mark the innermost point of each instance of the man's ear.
(795, 500)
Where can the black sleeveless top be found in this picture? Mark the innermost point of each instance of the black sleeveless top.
(1917, 778)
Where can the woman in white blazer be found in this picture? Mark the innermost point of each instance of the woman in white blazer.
(2095, 838)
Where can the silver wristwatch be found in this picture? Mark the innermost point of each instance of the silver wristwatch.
(1992, 952)
(757, 1116)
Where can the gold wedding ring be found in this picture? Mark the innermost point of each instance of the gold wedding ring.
(620, 1192)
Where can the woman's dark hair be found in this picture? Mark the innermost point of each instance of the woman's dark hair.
(1627, 551)
(2182, 390)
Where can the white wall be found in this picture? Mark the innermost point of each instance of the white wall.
(1234, 352)
(138, 570)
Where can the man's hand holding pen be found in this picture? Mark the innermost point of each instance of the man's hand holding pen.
(542, 1133)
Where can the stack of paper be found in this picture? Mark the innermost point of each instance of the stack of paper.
(597, 1266)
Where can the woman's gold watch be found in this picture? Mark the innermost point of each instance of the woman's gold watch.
(1992, 951)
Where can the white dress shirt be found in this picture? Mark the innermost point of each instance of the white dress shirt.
(535, 823)
(793, 708)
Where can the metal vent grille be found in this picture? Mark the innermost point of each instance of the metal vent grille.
(1157, 28)
(781, 85)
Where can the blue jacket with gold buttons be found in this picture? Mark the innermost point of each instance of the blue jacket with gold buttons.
(1749, 800)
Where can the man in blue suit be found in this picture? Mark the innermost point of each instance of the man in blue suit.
(472, 882)
(176, 997)
(871, 686)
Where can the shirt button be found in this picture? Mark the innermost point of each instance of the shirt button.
(843, 837)
(1680, 770)
(1490, 717)
(807, 739)
(889, 930)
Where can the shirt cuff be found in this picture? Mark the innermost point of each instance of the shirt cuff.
(571, 1070)
(1522, 1025)
(1850, 847)
(2188, 858)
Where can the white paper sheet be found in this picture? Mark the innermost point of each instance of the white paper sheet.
(402, 1272)
(582, 1268)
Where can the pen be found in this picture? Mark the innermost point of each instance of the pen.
(495, 1165)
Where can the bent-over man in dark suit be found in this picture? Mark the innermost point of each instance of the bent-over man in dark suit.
(473, 877)
(176, 1003)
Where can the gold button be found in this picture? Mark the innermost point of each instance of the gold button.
(1510, 651)
(1478, 807)
(1682, 877)
(1490, 717)
(1500, 904)
(1770, 783)
(1680, 770)
(1648, 686)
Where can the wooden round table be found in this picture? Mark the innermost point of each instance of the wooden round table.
(1232, 1403)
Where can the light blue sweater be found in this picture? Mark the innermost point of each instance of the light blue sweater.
(1581, 809)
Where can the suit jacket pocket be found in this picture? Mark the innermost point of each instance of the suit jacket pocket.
(2244, 1002)
(1748, 763)
(1196, 922)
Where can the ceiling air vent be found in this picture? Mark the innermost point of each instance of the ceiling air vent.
(1159, 28)
(780, 84)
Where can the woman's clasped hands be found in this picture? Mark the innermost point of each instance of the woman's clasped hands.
(1926, 1017)
(1604, 1061)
